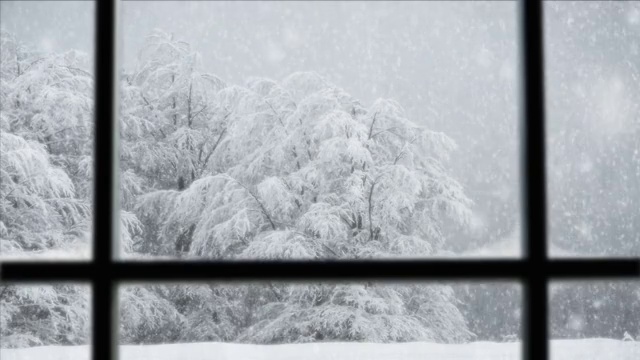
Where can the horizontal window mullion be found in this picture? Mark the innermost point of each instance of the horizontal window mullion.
(301, 270)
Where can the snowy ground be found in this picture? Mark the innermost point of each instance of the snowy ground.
(600, 349)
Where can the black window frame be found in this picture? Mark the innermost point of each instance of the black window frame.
(105, 272)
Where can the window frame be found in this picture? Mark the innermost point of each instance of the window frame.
(104, 272)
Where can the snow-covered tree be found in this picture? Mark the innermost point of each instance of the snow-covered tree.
(303, 170)
(149, 315)
(360, 312)
(38, 203)
(172, 108)
(170, 127)
(306, 172)
(217, 312)
(41, 315)
(45, 140)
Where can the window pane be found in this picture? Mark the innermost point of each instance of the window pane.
(595, 320)
(46, 129)
(593, 128)
(49, 322)
(321, 320)
(319, 129)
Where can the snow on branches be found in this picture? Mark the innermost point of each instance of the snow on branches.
(305, 164)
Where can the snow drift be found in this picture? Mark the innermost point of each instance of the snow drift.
(600, 349)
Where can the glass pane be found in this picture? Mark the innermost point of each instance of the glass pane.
(595, 320)
(319, 130)
(46, 129)
(593, 128)
(370, 320)
(48, 322)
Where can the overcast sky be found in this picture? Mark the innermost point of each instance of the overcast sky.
(50, 25)
(371, 48)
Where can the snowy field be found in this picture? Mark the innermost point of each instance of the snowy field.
(600, 349)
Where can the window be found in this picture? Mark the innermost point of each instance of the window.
(534, 270)
(326, 130)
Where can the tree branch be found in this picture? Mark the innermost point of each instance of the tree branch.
(189, 118)
(373, 122)
(278, 116)
(199, 111)
(389, 130)
(373, 185)
(4, 290)
(215, 146)
(263, 209)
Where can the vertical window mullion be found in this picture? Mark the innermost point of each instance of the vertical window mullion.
(535, 339)
(106, 203)
(106, 207)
